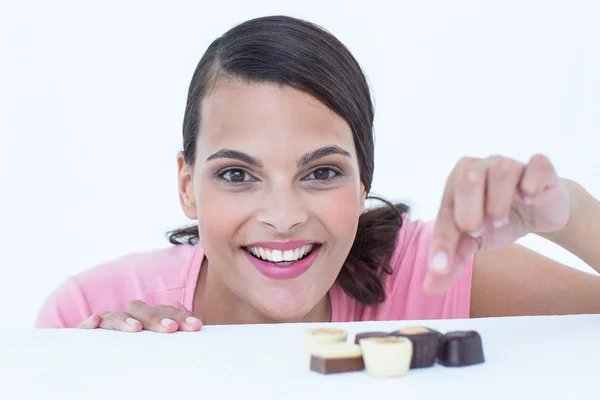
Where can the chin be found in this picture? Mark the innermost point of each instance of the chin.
(285, 305)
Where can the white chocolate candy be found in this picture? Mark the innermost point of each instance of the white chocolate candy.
(386, 357)
(336, 350)
(312, 338)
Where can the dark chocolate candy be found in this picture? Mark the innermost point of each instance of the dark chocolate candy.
(425, 343)
(336, 365)
(368, 335)
(460, 349)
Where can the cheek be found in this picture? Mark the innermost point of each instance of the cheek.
(220, 214)
(339, 211)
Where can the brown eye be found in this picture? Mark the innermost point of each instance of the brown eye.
(236, 175)
(323, 174)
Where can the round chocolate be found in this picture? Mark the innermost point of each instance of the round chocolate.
(425, 344)
(460, 349)
(365, 335)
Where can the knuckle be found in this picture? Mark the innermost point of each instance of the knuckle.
(542, 160)
(180, 316)
(463, 161)
(166, 310)
(134, 305)
(109, 316)
(501, 168)
(470, 179)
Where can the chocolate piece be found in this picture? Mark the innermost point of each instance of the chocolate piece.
(425, 344)
(317, 336)
(365, 335)
(386, 357)
(335, 358)
(460, 349)
(336, 365)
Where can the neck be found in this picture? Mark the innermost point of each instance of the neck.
(218, 305)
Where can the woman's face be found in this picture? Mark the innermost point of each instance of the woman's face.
(276, 176)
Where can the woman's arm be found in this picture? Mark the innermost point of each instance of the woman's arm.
(581, 236)
(514, 280)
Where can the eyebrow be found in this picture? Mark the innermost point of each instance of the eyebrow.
(305, 159)
(314, 155)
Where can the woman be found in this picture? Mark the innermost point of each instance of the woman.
(276, 166)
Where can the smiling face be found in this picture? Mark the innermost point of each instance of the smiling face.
(277, 193)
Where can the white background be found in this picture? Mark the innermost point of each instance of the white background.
(92, 98)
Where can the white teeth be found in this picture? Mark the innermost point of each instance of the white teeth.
(276, 256)
(279, 255)
(288, 255)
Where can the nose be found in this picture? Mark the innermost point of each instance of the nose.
(282, 210)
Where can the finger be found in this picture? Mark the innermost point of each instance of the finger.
(444, 240)
(92, 322)
(539, 174)
(469, 198)
(503, 176)
(119, 321)
(445, 233)
(162, 319)
(437, 284)
(181, 315)
(150, 319)
(192, 322)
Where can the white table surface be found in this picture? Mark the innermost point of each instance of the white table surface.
(526, 358)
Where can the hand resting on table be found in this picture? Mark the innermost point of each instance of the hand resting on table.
(140, 316)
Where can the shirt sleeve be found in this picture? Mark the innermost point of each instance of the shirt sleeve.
(406, 297)
(65, 307)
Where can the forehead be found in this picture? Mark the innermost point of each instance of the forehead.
(234, 113)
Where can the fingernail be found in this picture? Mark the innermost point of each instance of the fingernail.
(132, 322)
(499, 223)
(167, 322)
(192, 320)
(477, 233)
(439, 262)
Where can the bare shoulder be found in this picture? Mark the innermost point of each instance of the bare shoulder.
(515, 280)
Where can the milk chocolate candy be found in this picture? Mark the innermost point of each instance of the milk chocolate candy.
(335, 358)
(365, 335)
(425, 343)
(317, 336)
(386, 357)
(460, 349)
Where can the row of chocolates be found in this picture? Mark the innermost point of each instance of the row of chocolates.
(390, 354)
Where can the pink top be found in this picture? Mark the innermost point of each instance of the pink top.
(167, 275)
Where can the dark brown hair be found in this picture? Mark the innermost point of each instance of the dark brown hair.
(288, 51)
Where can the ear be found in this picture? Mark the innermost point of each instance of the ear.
(187, 198)
(363, 196)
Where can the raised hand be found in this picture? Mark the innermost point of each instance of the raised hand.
(490, 203)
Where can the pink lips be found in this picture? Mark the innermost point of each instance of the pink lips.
(274, 271)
